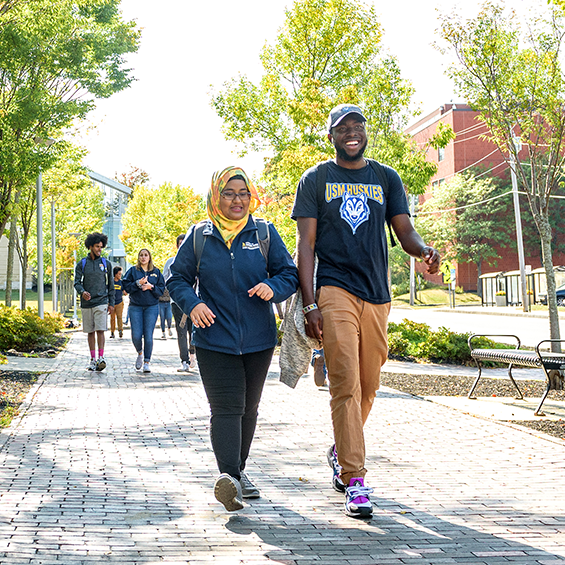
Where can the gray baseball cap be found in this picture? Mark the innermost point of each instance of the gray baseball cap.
(339, 112)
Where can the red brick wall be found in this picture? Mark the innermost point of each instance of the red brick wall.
(469, 149)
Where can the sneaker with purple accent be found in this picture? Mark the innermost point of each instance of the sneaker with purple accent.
(337, 483)
(357, 501)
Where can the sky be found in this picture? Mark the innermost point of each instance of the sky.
(164, 122)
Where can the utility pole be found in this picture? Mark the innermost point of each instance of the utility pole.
(519, 238)
(412, 259)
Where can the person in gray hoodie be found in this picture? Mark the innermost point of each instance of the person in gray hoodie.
(95, 285)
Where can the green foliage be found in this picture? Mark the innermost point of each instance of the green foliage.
(511, 72)
(55, 58)
(467, 219)
(327, 52)
(24, 329)
(156, 216)
(418, 341)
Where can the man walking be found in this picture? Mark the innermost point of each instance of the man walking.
(95, 284)
(183, 332)
(341, 208)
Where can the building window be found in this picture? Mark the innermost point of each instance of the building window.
(441, 154)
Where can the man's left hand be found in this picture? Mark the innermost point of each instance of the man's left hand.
(110, 309)
(431, 258)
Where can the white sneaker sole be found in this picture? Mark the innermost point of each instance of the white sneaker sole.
(225, 492)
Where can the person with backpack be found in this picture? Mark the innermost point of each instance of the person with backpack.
(145, 284)
(341, 208)
(242, 267)
(95, 285)
(117, 314)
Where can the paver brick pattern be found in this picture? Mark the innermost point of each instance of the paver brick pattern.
(116, 467)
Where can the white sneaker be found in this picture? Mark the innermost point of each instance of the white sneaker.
(185, 367)
(228, 491)
(170, 333)
(139, 361)
(92, 365)
(100, 364)
(146, 368)
(163, 336)
(192, 363)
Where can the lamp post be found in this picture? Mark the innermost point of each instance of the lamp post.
(518, 221)
(40, 289)
(39, 200)
(53, 257)
(75, 317)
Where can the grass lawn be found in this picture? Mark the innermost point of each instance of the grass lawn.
(437, 297)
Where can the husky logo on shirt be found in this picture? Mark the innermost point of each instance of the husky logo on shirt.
(250, 245)
(354, 208)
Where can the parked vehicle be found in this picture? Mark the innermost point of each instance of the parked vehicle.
(560, 292)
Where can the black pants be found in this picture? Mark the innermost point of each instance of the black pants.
(233, 385)
(183, 334)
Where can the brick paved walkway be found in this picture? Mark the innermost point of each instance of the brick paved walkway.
(116, 468)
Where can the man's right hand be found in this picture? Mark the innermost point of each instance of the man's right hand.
(314, 324)
(86, 295)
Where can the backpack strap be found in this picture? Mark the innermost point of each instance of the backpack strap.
(264, 237)
(383, 180)
(201, 231)
(104, 262)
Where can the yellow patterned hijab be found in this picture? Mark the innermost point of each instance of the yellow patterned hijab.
(229, 228)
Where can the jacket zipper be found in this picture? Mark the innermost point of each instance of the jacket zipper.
(236, 302)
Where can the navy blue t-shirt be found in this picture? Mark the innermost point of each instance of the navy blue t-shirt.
(118, 290)
(351, 242)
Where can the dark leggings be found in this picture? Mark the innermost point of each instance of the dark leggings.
(233, 385)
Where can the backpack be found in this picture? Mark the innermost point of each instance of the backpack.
(205, 228)
(322, 172)
(104, 262)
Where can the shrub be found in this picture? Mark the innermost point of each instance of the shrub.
(417, 340)
(24, 330)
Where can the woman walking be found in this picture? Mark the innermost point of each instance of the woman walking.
(165, 314)
(144, 283)
(234, 326)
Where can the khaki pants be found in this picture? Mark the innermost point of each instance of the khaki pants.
(355, 349)
(117, 313)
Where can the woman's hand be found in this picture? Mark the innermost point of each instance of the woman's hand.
(146, 286)
(201, 316)
(262, 290)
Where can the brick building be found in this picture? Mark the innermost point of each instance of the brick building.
(470, 149)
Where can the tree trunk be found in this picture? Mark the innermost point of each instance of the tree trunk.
(10, 266)
(554, 332)
(24, 261)
(479, 285)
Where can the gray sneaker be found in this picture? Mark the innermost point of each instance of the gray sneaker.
(185, 368)
(100, 364)
(227, 490)
(139, 361)
(92, 365)
(248, 489)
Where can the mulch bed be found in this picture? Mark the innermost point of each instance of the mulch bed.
(434, 385)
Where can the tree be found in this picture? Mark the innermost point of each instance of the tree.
(468, 219)
(78, 206)
(327, 52)
(155, 216)
(55, 59)
(513, 77)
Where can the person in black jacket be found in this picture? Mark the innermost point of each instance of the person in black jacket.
(234, 325)
(144, 283)
(95, 285)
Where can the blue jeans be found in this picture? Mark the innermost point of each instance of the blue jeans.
(165, 314)
(142, 321)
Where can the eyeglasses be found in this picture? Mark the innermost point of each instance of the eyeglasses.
(230, 195)
(357, 128)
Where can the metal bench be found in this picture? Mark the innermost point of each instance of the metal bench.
(552, 363)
